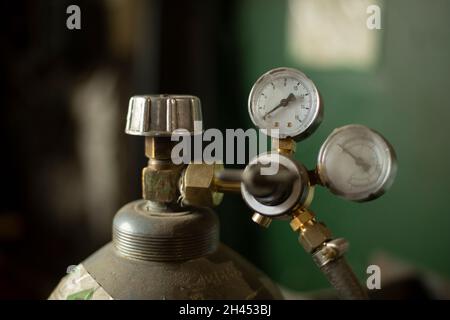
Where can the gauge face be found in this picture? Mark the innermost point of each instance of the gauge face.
(287, 100)
(356, 163)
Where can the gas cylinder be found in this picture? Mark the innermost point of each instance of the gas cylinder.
(166, 245)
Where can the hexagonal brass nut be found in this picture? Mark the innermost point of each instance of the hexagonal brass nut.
(198, 187)
(314, 235)
(160, 185)
(286, 146)
(300, 219)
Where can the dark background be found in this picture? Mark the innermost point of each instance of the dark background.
(67, 167)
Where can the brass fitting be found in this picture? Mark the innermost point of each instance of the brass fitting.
(158, 148)
(160, 178)
(300, 218)
(284, 146)
(313, 234)
(262, 220)
(197, 185)
(160, 182)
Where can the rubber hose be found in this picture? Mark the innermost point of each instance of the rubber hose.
(342, 278)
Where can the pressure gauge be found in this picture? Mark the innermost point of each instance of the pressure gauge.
(356, 163)
(287, 100)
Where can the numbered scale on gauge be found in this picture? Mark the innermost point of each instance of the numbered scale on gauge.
(356, 163)
(285, 103)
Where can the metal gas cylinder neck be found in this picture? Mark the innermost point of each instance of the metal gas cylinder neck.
(151, 235)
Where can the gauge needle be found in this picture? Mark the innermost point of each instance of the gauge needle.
(358, 160)
(283, 103)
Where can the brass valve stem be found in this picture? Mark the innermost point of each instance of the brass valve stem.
(159, 148)
(160, 177)
(158, 118)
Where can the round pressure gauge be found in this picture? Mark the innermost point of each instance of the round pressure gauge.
(356, 163)
(286, 100)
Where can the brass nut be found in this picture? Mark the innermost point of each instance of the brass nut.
(160, 185)
(313, 236)
(286, 146)
(300, 219)
(262, 220)
(198, 185)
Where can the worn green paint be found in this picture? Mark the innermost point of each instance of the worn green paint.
(82, 295)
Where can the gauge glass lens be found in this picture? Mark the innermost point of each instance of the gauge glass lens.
(356, 163)
(284, 99)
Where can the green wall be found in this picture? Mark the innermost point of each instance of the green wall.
(406, 97)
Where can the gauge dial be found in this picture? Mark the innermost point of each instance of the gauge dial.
(286, 100)
(356, 163)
